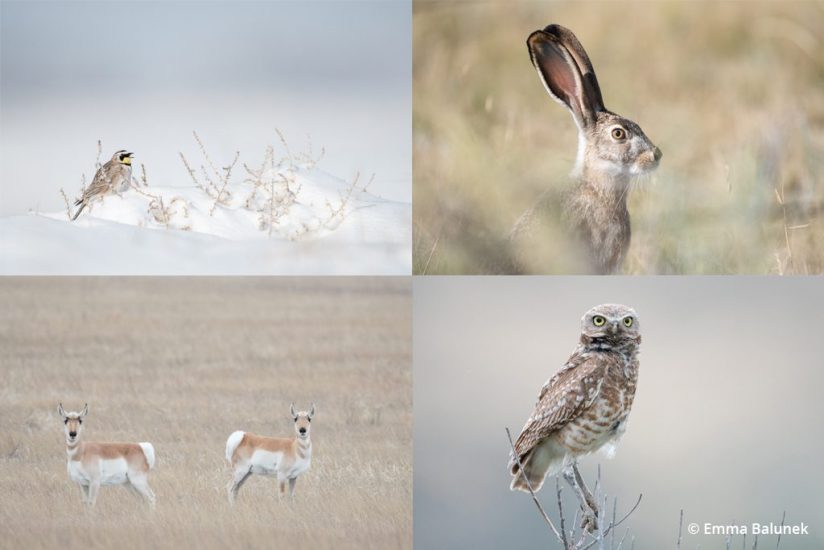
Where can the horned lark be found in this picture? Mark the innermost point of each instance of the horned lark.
(114, 176)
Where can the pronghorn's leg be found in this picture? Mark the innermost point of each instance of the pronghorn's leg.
(282, 485)
(240, 477)
(84, 489)
(292, 481)
(132, 489)
(94, 487)
(141, 484)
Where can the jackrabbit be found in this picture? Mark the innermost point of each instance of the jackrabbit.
(611, 151)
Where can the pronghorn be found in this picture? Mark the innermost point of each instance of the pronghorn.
(92, 464)
(284, 457)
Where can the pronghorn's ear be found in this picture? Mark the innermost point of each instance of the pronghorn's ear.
(60, 410)
(292, 411)
(312, 411)
(85, 410)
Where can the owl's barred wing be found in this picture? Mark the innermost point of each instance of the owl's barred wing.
(562, 399)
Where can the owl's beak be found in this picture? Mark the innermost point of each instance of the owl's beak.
(613, 328)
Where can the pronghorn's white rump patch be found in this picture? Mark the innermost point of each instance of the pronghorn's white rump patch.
(148, 450)
(232, 443)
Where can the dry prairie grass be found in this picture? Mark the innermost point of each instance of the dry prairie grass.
(184, 362)
(730, 91)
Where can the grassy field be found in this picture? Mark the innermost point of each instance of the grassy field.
(731, 92)
(184, 362)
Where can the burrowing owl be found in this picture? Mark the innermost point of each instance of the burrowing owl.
(585, 406)
(114, 176)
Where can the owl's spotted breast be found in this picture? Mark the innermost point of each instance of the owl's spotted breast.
(604, 420)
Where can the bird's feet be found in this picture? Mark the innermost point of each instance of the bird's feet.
(589, 520)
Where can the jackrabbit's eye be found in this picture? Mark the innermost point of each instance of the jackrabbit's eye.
(598, 321)
(628, 321)
(619, 133)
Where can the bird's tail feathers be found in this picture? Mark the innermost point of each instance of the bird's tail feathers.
(542, 460)
(79, 210)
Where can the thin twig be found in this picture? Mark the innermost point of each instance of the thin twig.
(66, 200)
(560, 511)
(783, 517)
(612, 534)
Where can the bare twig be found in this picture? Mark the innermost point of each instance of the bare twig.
(225, 183)
(680, 527)
(368, 183)
(206, 155)
(560, 509)
(66, 201)
(337, 213)
(190, 170)
(783, 518)
(285, 145)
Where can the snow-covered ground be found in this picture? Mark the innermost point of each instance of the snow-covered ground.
(282, 217)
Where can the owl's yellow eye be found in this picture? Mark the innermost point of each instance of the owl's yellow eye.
(619, 133)
(598, 321)
(628, 321)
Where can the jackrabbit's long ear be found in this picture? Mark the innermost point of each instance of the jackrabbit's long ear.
(566, 71)
(61, 411)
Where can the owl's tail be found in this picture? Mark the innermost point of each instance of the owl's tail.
(546, 458)
(79, 210)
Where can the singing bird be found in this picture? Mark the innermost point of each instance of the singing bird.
(114, 176)
(584, 407)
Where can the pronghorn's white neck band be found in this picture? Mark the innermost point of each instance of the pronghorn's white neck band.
(71, 450)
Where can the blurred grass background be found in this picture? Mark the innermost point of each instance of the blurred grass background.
(732, 93)
(182, 363)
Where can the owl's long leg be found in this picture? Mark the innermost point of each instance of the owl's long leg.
(579, 481)
(589, 507)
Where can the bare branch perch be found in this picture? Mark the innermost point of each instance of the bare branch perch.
(590, 534)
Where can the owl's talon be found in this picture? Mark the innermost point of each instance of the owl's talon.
(589, 520)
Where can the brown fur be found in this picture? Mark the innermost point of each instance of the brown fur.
(89, 451)
(251, 442)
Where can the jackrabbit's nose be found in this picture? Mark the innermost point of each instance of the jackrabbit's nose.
(303, 430)
(72, 434)
(657, 154)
